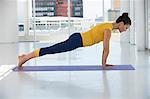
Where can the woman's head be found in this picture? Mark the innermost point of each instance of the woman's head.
(124, 22)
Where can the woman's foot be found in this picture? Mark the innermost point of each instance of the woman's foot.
(25, 57)
(22, 59)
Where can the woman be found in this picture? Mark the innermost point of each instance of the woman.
(101, 32)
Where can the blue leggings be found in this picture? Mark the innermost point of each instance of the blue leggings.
(73, 42)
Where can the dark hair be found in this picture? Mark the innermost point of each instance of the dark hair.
(124, 18)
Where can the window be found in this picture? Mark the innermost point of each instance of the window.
(77, 8)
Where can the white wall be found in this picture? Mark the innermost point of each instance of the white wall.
(140, 24)
(148, 7)
(23, 14)
(147, 17)
(132, 27)
(8, 21)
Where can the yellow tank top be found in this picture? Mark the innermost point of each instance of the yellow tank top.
(95, 34)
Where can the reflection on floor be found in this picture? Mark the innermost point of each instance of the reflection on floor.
(81, 84)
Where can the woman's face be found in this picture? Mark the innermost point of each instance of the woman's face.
(122, 27)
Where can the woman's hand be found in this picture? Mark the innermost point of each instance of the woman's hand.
(107, 66)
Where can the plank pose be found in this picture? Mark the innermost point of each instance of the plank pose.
(99, 33)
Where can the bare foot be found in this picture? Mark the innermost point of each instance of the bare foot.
(22, 59)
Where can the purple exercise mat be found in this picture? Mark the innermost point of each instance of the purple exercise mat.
(73, 68)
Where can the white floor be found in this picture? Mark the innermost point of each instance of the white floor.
(74, 84)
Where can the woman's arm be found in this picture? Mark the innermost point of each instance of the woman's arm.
(107, 35)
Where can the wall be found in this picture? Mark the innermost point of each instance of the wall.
(8, 21)
(140, 25)
(24, 13)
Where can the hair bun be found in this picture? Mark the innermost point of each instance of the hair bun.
(124, 14)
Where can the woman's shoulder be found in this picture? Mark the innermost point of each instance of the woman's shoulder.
(105, 25)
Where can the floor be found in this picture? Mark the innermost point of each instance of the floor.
(76, 84)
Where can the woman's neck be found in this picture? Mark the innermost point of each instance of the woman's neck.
(115, 25)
